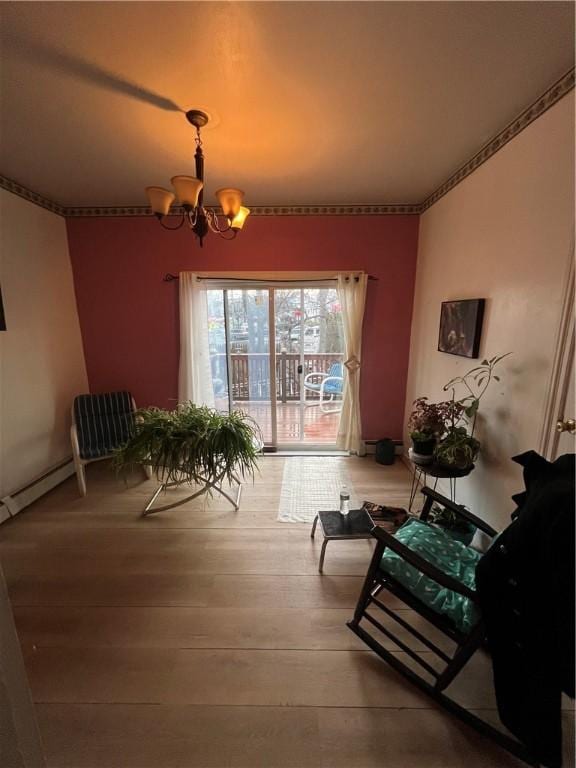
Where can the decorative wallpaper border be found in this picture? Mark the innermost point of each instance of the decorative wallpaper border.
(559, 89)
(263, 210)
(556, 91)
(32, 197)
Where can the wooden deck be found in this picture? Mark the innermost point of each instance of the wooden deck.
(318, 428)
(205, 638)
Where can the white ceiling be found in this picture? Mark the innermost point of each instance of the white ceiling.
(314, 102)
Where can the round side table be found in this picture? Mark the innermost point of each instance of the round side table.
(436, 471)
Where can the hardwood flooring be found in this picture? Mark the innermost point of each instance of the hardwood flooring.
(205, 638)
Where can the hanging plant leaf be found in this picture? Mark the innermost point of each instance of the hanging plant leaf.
(472, 409)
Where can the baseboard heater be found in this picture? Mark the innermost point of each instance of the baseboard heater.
(371, 446)
(19, 499)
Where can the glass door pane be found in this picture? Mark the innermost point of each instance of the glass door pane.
(288, 340)
(218, 349)
(323, 348)
(248, 317)
(309, 349)
(279, 385)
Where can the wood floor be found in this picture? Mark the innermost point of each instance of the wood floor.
(205, 638)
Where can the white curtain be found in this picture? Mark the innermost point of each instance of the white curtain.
(195, 373)
(352, 293)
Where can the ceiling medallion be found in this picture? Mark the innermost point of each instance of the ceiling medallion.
(189, 192)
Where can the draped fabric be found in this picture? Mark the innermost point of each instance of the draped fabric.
(352, 294)
(195, 372)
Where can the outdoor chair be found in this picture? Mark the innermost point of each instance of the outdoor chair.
(329, 387)
(100, 424)
(433, 573)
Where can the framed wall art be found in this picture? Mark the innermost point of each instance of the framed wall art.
(461, 327)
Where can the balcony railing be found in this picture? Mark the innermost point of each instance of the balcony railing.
(251, 374)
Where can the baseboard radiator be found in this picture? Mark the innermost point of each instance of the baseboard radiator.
(16, 501)
(371, 447)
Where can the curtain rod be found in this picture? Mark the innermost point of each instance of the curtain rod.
(169, 278)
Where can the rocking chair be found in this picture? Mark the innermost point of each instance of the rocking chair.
(440, 588)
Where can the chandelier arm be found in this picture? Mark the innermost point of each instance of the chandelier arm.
(213, 222)
(180, 223)
(227, 234)
(210, 219)
(192, 217)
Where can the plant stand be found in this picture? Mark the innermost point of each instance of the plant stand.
(436, 471)
(215, 486)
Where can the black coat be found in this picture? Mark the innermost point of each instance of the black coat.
(525, 584)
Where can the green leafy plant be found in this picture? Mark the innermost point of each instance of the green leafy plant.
(192, 444)
(446, 429)
(426, 424)
(475, 383)
(429, 421)
(457, 448)
(456, 526)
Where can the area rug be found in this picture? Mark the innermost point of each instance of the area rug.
(310, 484)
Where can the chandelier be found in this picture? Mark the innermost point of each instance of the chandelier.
(189, 193)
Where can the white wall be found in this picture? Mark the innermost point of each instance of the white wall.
(41, 357)
(504, 234)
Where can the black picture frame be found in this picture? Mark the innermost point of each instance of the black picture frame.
(2, 316)
(461, 327)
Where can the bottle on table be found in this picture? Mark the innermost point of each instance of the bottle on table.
(344, 500)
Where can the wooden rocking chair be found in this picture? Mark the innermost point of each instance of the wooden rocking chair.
(467, 639)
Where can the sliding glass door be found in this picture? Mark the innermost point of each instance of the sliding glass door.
(276, 353)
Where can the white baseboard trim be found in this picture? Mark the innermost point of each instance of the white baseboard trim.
(15, 502)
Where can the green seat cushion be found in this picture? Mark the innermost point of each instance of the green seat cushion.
(448, 555)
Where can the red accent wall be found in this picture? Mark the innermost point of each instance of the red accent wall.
(129, 317)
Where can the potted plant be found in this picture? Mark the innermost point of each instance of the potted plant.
(458, 447)
(453, 524)
(425, 425)
(192, 444)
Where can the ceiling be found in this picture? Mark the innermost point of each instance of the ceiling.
(314, 103)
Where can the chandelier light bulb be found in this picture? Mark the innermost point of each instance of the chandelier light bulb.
(239, 220)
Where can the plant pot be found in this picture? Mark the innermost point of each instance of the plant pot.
(460, 464)
(422, 459)
(424, 447)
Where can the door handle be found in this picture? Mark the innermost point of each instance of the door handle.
(300, 370)
(566, 425)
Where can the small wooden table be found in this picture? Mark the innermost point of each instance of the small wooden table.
(357, 524)
(335, 526)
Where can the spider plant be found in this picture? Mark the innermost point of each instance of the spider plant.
(192, 444)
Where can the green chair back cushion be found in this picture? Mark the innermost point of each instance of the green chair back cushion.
(448, 555)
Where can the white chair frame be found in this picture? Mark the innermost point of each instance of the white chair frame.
(80, 463)
(323, 397)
